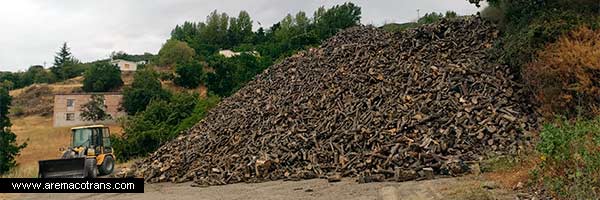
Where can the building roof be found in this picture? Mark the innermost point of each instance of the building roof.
(117, 60)
(86, 127)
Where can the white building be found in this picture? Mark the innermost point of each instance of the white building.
(229, 53)
(124, 65)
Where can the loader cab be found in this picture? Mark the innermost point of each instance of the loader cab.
(95, 137)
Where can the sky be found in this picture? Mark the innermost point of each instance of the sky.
(33, 30)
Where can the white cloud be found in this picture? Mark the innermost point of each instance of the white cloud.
(33, 30)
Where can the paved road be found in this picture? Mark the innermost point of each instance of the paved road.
(348, 189)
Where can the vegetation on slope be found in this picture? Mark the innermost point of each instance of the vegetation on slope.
(551, 45)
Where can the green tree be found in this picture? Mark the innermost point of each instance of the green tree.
(102, 77)
(451, 14)
(429, 18)
(95, 109)
(338, 17)
(148, 129)
(63, 58)
(145, 87)
(244, 21)
(189, 75)
(232, 73)
(175, 51)
(215, 31)
(9, 148)
(302, 22)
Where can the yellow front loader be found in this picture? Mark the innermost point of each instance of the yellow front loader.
(89, 155)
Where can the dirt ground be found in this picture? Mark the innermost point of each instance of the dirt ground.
(448, 188)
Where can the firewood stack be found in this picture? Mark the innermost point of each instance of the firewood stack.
(369, 104)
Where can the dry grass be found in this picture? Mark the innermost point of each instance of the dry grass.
(43, 142)
(68, 86)
(566, 75)
(29, 171)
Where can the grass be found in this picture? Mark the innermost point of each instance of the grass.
(570, 167)
(29, 171)
(508, 171)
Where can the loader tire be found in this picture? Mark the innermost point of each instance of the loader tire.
(108, 166)
(91, 168)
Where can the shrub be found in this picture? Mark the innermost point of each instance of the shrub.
(189, 75)
(102, 77)
(232, 73)
(145, 88)
(570, 165)
(566, 75)
(166, 76)
(528, 25)
(17, 111)
(162, 121)
(175, 51)
(201, 109)
(9, 149)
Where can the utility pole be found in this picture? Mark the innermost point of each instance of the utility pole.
(419, 14)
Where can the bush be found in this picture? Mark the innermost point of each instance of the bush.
(145, 88)
(566, 75)
(175, 51)
(201, 109)
(570, 165)
(161, 122)
(166, 76)
(9, 149)
(233, 73)
(102, 77)
(17, 111)
(189, 75)
(529, 25)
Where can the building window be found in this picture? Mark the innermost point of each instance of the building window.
(126, 66)
(70, 116)
(70, 103)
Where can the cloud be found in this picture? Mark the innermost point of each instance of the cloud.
(33, 30)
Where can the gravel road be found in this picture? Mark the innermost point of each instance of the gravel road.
(348, 189)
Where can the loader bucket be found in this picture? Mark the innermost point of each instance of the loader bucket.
(62, 168)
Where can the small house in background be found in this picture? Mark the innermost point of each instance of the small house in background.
(67, 108)
(126, 66)
(229, 53)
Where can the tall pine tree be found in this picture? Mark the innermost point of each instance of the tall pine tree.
(8, 147)
(61, 60)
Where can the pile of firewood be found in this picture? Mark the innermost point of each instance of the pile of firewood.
(370, 104)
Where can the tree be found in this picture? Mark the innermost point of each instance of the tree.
(63, 58)
(149, 129)
(175, 51)
(338, 17)
(145, 87)
(95, 109)
(9, 149)
(37, 74)
(189, 75)
(232, 73)
(429, 18)
(102, 77)
(240, 29)
(451, 14)
(244, 21)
